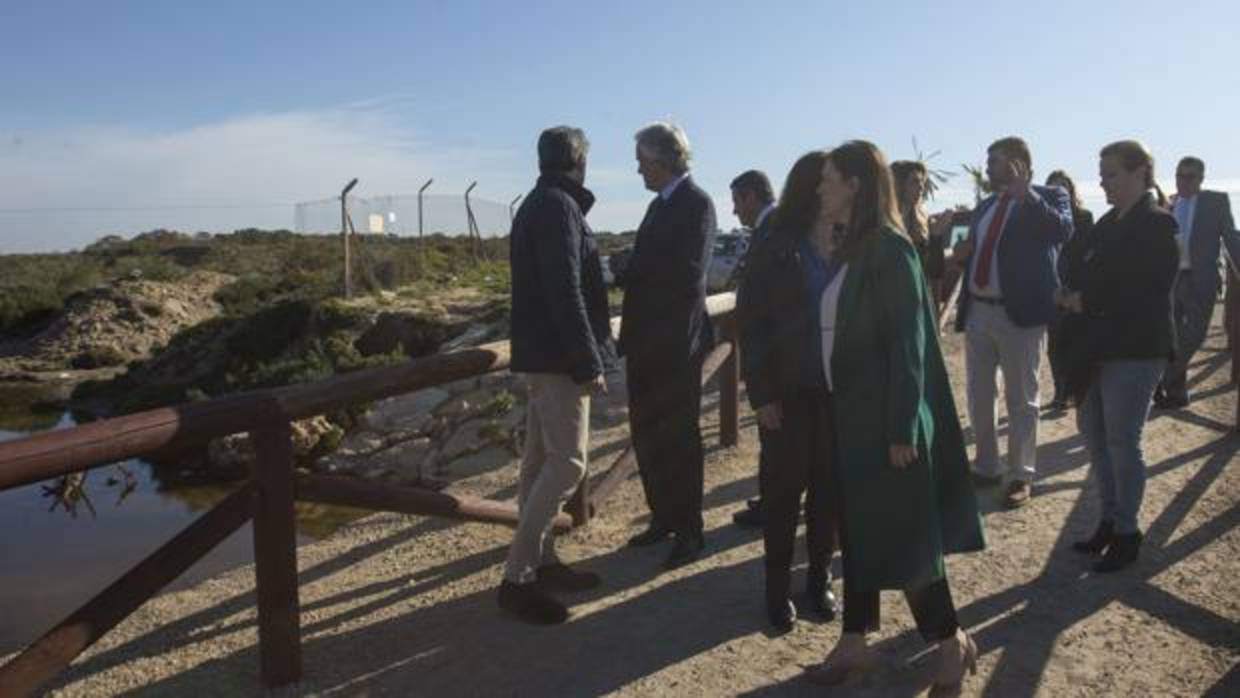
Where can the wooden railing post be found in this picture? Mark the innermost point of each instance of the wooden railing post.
(579, 505)
(729, 384)
(275, 557)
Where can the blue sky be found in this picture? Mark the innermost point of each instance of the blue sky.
(215, 116)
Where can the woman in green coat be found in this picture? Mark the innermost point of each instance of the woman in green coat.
(901, 476)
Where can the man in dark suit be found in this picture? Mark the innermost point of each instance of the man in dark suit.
(753, 202)
(664, 336)
(1206, 226)
(1006, 300)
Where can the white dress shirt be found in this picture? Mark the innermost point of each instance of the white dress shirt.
(1185, 211)
(992, 289)
(671, 187)
(828, 311)
(770, 208)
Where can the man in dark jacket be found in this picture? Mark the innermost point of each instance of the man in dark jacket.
(753, 202)
(560, 336)
(1206, 228)
(664, 335)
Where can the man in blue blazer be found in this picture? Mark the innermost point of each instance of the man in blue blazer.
(1006, 300)
(664, 336)
(1206, 226)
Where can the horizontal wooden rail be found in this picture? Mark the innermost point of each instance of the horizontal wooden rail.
(50, 654)
(52, 454)
(351, 492)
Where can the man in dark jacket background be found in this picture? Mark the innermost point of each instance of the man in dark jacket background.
(560, 339)
(664, 335)
(753, 203)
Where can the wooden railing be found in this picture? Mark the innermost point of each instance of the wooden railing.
(268, 497)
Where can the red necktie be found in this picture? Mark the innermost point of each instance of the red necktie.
(992, 239)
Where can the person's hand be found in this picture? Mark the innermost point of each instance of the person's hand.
(941, 223)
(771, 416)
(961, 252)
(598, 386)
(1020, 179)
(902, 455)
(1072, 301)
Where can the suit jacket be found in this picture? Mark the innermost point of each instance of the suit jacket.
(1034, 230)
(775, 329)
(755, 236)
(1213, 228)
(664, 316)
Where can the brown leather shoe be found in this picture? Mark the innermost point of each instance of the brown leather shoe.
(1018, 494)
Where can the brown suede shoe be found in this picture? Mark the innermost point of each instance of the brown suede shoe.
(1018, 494)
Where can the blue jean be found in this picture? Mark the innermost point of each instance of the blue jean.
(1111, 420)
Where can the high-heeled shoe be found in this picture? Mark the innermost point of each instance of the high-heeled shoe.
(849, 659)
(1099, 541)
(956, 656)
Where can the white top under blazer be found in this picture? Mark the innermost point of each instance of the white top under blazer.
(828, 312)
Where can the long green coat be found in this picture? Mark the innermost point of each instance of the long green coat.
(891, 387)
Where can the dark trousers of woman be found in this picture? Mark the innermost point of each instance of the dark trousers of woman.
(795, 461)
(1054, 355)
(931, 604)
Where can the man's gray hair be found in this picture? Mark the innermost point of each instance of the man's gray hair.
(561, 149)
(668, 144)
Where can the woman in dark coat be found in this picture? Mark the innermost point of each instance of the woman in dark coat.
(1118, 338)
(778, 311)
(901, 472)
(1082, 224)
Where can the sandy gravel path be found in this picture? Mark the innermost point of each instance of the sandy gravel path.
(404, 606)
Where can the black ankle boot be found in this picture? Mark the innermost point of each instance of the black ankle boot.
(1097, 542)
(1120, 553)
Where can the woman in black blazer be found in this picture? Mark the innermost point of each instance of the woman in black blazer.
(1082, 224)
(781, 362)
(1117, 340)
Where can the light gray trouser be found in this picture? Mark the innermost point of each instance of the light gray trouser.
(992, 344)
(1111, 420)
(557, 428)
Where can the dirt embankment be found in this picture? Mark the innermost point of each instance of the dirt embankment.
(104, 329)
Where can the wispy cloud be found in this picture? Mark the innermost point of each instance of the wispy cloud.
(61, 189)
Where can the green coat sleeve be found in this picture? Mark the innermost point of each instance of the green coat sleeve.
(902, 326)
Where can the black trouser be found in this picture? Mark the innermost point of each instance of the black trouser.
(1054, 354)
(795, 458)
(665, 407)
(931, 603)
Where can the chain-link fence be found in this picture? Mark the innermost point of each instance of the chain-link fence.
(402, 215)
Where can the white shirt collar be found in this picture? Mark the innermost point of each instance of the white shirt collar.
(671, 187)
(770, 208)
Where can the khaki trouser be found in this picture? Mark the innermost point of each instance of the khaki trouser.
(557, 428)
(992, 344)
